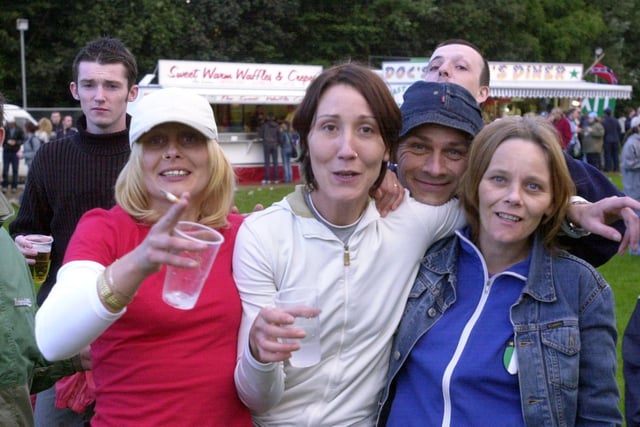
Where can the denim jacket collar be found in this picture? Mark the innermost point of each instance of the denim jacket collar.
(441, 260)
(540, 284)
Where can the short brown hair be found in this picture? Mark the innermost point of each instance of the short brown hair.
(374, 91)
(107, 50)
(534, 129)
(485, 75)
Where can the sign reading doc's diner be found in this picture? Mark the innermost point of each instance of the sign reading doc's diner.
(233, 75)
(535, 72)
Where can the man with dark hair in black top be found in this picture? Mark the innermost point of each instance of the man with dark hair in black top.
(72, 175)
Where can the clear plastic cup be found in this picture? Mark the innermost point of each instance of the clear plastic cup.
(297, 302)
(182, 286)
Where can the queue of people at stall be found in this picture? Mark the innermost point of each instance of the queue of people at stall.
(277, 137)
(226, 362)
(22, 143)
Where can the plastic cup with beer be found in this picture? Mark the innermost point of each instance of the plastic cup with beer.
(40, 269)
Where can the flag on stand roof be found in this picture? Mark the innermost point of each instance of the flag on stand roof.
(605, 73)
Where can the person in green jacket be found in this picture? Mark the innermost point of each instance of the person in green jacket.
(593, 140)
(23, 370)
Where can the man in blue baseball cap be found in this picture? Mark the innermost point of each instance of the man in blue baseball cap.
(432, 176)
(439, 120)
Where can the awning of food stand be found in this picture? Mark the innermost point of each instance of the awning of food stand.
(546, 89)
(250, 96)
(233, 96)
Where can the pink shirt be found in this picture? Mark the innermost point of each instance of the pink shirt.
(158, 365)
(564, 129)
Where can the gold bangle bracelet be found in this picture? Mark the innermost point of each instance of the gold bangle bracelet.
(106, 295)
(109, 278)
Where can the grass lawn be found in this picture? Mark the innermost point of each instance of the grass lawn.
(623, 274)
(249, 195)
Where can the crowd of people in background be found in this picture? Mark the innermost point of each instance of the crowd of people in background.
(588, 136)
(276, 136)
(24, 141)
(607, 143)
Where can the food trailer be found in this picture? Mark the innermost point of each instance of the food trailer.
(237, 91)
(522, 87)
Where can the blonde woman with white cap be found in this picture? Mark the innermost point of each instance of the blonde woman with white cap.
(154, 364)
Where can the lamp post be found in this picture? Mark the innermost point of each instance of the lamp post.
(598, 56)
(23, 25)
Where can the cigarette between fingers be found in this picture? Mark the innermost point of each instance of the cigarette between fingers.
(169, 196)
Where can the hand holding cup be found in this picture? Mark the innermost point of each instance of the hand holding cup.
(40, 250)
(187, 249)
(302, 303)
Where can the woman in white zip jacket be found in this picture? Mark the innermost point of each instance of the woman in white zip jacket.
(329, 235)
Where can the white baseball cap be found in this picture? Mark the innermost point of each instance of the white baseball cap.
(172, 105)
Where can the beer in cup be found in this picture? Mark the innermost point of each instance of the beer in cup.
(40, 269)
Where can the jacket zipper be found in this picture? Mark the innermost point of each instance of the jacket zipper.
(462, 343)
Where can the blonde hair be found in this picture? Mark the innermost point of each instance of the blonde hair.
(133, 196)
(45, 125)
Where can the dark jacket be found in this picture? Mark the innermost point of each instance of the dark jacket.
(611, 130)
(270, 132)
(631, 368)
(593, 185)
(66, 133)
(286, 141)
(18, 135)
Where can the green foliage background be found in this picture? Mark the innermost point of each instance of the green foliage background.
(309, 32)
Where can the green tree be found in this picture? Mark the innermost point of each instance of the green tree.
(246, 30)
(252, 31)
(309, 32)
(334, 31)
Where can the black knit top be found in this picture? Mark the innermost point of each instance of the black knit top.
(67, 178)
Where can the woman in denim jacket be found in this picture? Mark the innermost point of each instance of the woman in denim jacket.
(529, 334)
